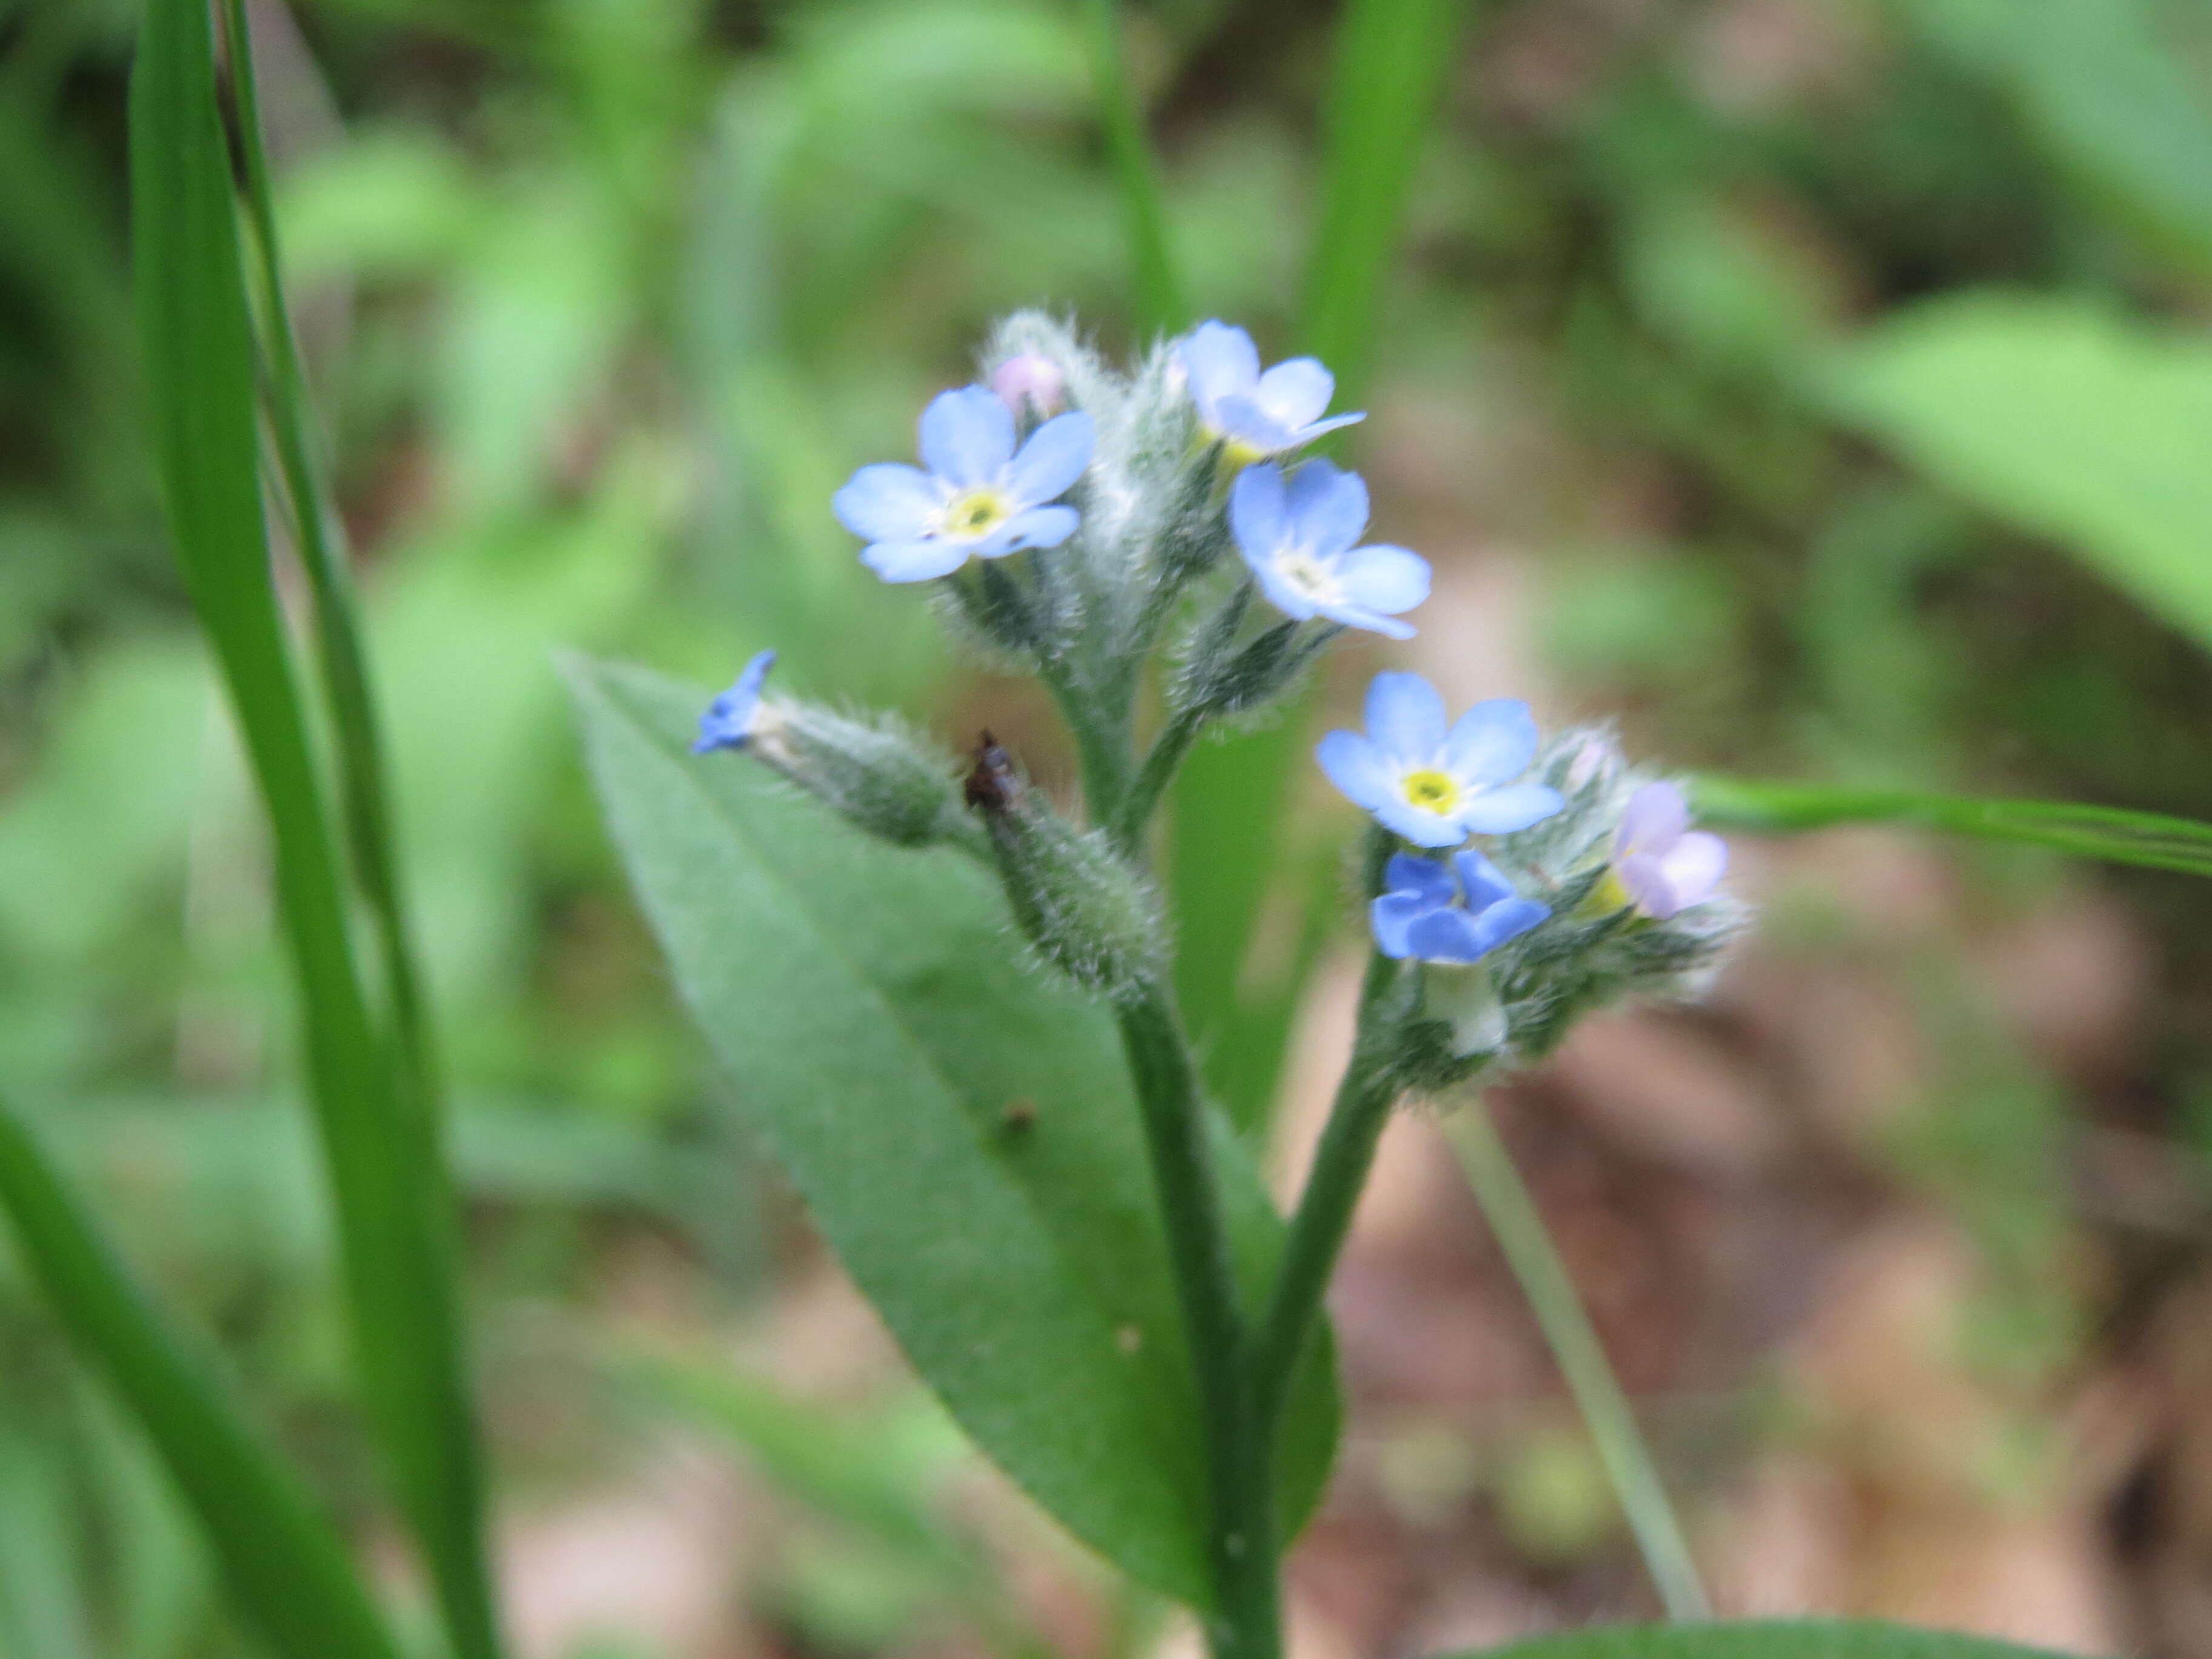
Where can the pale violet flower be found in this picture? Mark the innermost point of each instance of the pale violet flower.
(1031, 380)
(728, 721)
(1434, 786)
(1256, 414)
(1456, 912)
(1663, 866)
(980, 498)
(1297, 534)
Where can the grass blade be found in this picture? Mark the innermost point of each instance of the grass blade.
(341, 655)
(2112, 834)
(393, 1206)
(1160, 307)
(287, 1570)
(1392, 58)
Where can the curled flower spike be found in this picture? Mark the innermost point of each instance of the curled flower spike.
(1031, 380)
(978, 499)
(728, 723)
(1663, 866)
(1436, 786)
(1297, 534)
(1456, 912)
(1256, 414)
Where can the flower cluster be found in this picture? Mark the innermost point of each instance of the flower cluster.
(1077, 521)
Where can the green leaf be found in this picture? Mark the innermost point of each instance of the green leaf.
(1392, 58)
(392, 1200)
(287, 1570)
(2058, 418)
(2112, 104)
(1160, 304)
(1762, 1639)
(963, 1128)
(2110, 833)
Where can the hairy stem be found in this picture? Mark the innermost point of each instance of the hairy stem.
(1317, 1231)
(1246, 1620)
(1543, 1277)
(1152, 779)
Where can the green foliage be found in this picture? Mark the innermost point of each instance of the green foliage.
(381, 1146)
(1813, 1639)
(2109, 100)
(2095, 832)
(2063, 420)
(963, 1130)
(287, 1569)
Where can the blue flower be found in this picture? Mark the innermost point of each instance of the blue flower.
(1435, 787)
(1454, 913)
(978, 498)
(1256, 414)
(728, 720)
(1297, 534)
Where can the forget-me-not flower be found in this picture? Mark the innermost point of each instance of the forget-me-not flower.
(728, 720)
(1256, 414)
(978, 498)
(1432, 786)
(1456, 912)
(1297, 534)
(1664, 866)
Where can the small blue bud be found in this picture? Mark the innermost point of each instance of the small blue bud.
(728, 723)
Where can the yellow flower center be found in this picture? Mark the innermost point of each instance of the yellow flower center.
(973, 514)
(1430, 790)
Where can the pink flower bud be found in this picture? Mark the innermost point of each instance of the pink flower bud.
(1030, 379)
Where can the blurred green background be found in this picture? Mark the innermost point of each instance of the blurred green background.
(1820, 385)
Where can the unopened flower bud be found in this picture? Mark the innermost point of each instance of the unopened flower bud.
(1030, 384)
(1081, 906)
(874, 772)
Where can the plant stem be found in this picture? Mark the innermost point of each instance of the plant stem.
(1317, 1231)
(1543, 1278)
(1246, 1620)
(1159, 296)
(1153, 777)
(362, 770)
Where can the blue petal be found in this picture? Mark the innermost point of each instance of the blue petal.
(1383, 577)
(1041, 527)
(1256, 518)
(1306, 434)
(915, 561)
(1390, 917)
(1492, 742)
(1328, 509)
(1296, 391)
(967, 436)
(1293, 601)
(1352, 615)
(1356, 768)
(1219, 360)
(1239, 417)
(728, 720)
(1515, 806)
(1458, 936)
(1483, 882)
(1052, 460)
(889, 501)
(1422, 828)
(1426, 880)
(1405, 718)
